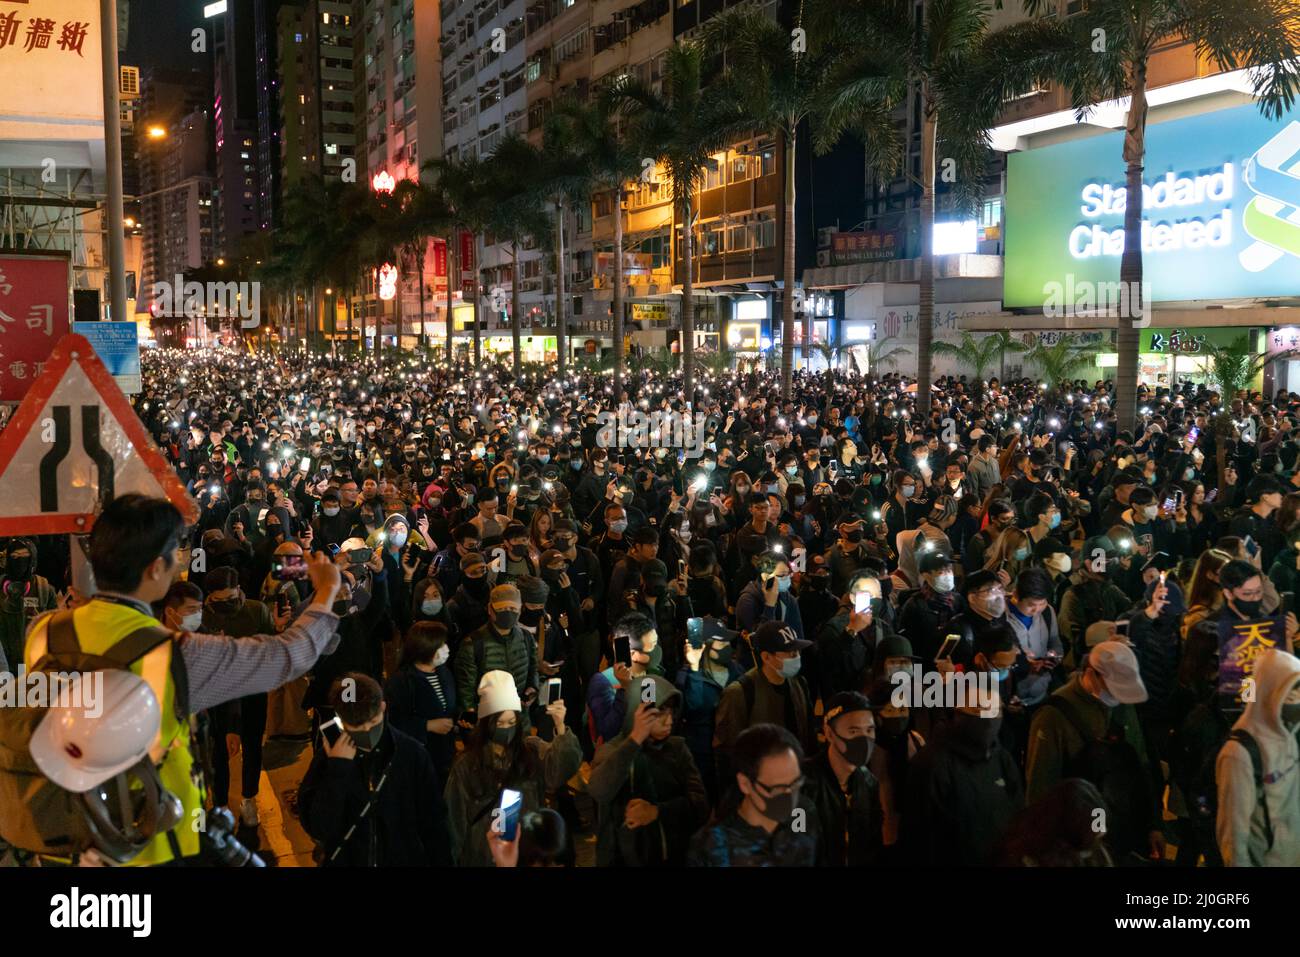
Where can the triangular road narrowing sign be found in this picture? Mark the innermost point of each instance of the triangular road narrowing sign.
(75, 443)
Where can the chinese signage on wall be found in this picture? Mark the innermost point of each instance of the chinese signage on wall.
(863, 247)
(35, 310)
(50, 70)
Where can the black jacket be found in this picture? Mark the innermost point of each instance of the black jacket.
(406, 825)
(412, 703)
(849, 832)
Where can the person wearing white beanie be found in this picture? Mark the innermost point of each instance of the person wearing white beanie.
(502, 754)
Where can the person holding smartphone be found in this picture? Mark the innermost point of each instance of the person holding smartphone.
(501, 754)
(372, 797)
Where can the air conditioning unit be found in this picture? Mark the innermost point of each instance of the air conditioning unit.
(823, 258)
(824, 236)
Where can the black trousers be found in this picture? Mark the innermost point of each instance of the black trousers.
(247, 718)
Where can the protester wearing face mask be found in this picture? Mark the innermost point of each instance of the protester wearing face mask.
(926, 615)
(1001, 516)
(1095, 704)
(772, 692)
(897, 742)
(1258, 791)
(755, 823)
(1092, 597)
(501, 754)
(1244, 597)
(373, 798)
(467, 608)
(1258, 520)
(768, 597)
(332, 525)
(709, 668)
(986, 608)
(182, 608)
(848, 555)
(841, 788)
(963, 791)
(242, 722)
(1055, 559)
(24, 596)
(650, 798)
(500, 645)
(905, 507)
(422, 695)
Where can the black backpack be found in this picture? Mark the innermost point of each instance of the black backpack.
(1113, 767)
(1195, 753)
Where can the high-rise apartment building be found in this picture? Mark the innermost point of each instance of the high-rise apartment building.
(318, 122)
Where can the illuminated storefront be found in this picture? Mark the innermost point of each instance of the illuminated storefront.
(1172, 356)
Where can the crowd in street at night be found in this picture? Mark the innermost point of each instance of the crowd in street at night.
(563, 619)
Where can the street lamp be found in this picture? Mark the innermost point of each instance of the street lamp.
(157, 133)
(383, 182)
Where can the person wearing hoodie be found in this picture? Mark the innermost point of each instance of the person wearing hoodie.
(467, 608)
(499, 755)
(24, 595)
(710, 667)
(1258, 771)
(964, 790)
(649, 795)
(844, 792)
(389, 542)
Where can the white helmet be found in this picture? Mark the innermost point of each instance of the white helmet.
(79, 750)
(104, 758)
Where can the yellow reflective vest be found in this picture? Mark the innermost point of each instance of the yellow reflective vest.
(100, 625)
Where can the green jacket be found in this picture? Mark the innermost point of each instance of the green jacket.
(663, 775)
(515, 653)
(1085, 602)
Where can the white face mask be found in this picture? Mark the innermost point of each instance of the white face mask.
(1149, 511)
(1059, 563)
(440, 656)
(944, 582)
(192, 622)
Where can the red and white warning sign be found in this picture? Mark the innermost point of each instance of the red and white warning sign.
(74, 444)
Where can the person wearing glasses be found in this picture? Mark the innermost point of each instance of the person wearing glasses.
(762, 821)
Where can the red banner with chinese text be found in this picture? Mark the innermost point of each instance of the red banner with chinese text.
(35, 312)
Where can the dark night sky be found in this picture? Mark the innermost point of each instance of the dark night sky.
(160, 33)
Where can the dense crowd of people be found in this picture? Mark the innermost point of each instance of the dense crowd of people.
(507, 627)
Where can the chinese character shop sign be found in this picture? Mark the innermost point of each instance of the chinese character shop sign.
(50, 69)
(35, 307)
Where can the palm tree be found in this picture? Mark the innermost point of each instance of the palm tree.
(880, 352)
(422, 214)
(718, 362)
(829, 354)
(980, 353)
(961, 73)
(1233, 368)
(778, 85)
(1058, 360)
(682, 128)
(607, 159)
(465, 188)
(517, 213)
(1258, 35)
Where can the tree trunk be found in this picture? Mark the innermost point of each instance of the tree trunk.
(453, 272)
(561, 325)
(619, 357)
(1130, 264)
(787, 274)
(688, 303)
(515, 321)
(925, 311)
(478, 355)
(419, 268)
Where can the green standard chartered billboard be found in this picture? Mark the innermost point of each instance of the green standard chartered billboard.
(1220, 219)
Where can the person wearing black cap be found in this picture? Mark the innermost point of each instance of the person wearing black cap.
(710, 667)
(771, 692)
(926, 614)
(1092, 597)
(1053, 557)
(846, 644)
(849, 553)
(1257, 520)
(625, 579)
(963, 791)
(897, 742)
(1114, 501)
(838, 784)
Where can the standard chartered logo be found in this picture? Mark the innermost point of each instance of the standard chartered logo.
(1272, 217)
(1168, 192)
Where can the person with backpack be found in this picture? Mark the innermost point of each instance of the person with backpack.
(709, 669)
(607, 690)
(24, 597)
(500, 645)
(1083, 731)
(772, 692)
(649, 796)
(1258, 771)
(134, 556)
(1093, 597)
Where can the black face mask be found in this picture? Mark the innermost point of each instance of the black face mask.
(505, 620)
(367, 740)
(857, 751)
(981, 733)
(552, 576)
(530, 617)
(503, 736)
(854, 536)
(890, 728)
(721, 656)
(19, 569)
(226, 606)
(1249, 609)
(779, 807)
(477, 588)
